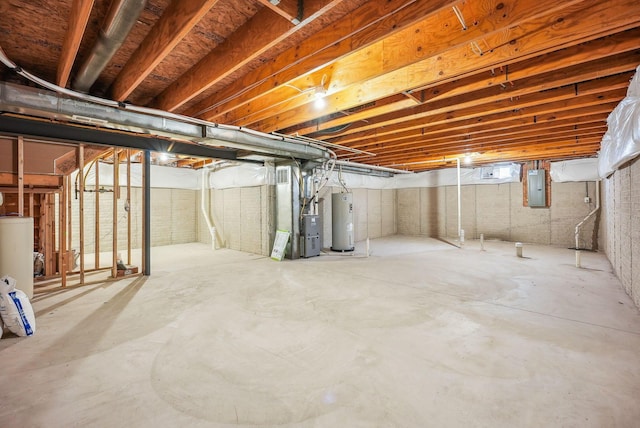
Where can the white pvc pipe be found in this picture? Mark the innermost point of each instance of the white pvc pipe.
(205, 211)
(459, 201)
(579, 225)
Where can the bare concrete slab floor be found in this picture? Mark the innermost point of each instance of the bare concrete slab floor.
(419, 334)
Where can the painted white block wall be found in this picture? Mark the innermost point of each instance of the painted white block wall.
(173, 218)
(242, 216)
(496, 211)
(620, 226)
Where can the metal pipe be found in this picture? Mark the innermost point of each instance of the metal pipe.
(119, 21)
(579, 225)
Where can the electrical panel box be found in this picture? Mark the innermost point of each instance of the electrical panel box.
(536, 188)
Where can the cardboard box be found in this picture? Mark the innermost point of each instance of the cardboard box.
(130, 270)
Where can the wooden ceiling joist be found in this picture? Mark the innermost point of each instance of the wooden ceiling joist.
(77, 23)
(177, 20)
(541, 36)
(288, 9)
(368, 24)
(261, 33)
(429, 37)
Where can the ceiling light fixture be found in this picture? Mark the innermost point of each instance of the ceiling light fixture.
(319, 94)
(467, 159)
(164, 157)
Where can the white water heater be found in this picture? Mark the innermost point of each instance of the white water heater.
(342, 222)
(16, 251)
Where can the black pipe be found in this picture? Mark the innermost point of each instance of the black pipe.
(146, 212)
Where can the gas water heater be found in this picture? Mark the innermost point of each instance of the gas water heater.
(342, 222)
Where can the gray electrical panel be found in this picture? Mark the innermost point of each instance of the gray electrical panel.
(310, 236)
(536, 188)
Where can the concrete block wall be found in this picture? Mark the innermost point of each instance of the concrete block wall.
(620, 228)
(173, 218)
(243, 217)
(496, 211)
(374, 213)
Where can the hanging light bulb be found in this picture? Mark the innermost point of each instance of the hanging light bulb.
(467, 159)
(319, 94)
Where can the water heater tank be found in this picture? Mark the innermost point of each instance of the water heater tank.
(342, 222)
(16, 251)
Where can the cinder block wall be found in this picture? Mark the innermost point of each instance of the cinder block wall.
(243, 217)
(496, 211)
(620, 227)
(173, 219)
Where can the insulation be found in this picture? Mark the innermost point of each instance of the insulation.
(575, 170)
(621, 143)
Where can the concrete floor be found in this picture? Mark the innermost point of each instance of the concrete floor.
(420, 334)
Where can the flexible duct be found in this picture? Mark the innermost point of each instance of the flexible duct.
(120, 19)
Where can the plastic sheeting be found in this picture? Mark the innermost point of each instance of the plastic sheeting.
(241, 175)
(161, 176)
(621, 142)
(575, 170)
(246, 175)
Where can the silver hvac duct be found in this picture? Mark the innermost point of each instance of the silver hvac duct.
(119, 21)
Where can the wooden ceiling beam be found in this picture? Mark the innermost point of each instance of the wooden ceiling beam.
(520, 135)
(488, 125)
(368, 24)
(534, 150)
(288, 9)
(570, 26)
(177, 20)
(427, 38)
(559, 99)
(618, 55)
(77, 23)
(430, 147)
(262, 32)
(495, 99)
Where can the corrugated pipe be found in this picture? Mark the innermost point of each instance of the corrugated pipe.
(119, 21)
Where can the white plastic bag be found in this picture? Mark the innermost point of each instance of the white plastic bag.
(15, 309)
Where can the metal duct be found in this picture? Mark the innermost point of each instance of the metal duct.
(119, 21)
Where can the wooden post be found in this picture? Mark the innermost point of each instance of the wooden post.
(129, 206)
(62, 226)
(81, 214)
(116, 182)
(31, 213)
(20, 176)
(96, 239)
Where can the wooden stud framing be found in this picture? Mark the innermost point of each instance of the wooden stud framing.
(114, 232)
(129, 206)
(62, 238)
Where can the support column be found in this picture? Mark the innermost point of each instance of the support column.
(146, 214)
(81, 215)
(97, 213)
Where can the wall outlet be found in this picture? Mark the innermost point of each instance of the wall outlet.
(587, 200)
